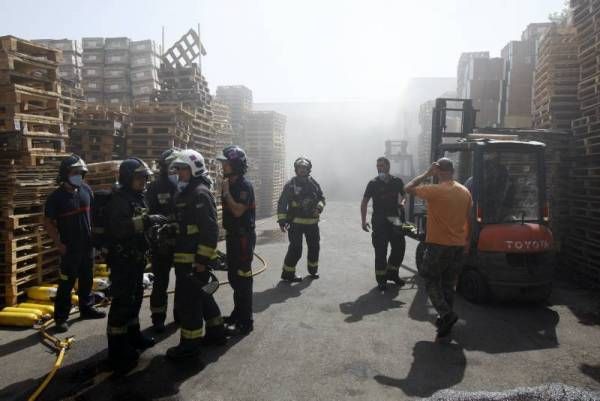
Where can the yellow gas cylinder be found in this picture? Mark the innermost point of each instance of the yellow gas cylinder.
(101, 270)
(49, 285)
(49, 309)
(41, 293)
(100, 284)
(74, 299)
(39, 313)
(18, 319)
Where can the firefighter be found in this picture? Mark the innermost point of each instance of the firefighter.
(127, 222)
(159, 199)
(68, 223)
(195, 248)
(387, 192)
(300, 205)
(239, 222)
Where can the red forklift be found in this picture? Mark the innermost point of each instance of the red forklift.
(511, 256)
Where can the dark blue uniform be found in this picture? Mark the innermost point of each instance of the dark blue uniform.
(71, 211)
(240, 242)
(159, 198)
(387, 226)
(300, 204)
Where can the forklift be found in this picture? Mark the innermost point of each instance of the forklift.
(511, 254)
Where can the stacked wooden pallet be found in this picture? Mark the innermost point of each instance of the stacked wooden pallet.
(556, 78)
(103, 175)
(584, 192)
(557, 162)
(98, 134)
(32, 144)
(156, 128)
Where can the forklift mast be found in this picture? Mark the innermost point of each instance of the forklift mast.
(439, 126)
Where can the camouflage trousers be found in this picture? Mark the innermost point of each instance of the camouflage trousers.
(441, 267)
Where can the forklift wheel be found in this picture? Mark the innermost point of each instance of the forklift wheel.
(473, 287)
(419, 256)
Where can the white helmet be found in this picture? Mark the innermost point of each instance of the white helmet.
(193, 160)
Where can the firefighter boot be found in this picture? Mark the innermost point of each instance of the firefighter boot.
(215, 336)
(291, 276)
(138, 340)
(186, 349)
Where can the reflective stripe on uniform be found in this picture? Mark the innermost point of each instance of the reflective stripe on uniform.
(207, 251)
(301, 220)
(138, 223)
(192, 229)
(295, 204)
(64, 277)
(281, 216)
(393, 268)
(380, 272)
(163, 198)
(192, 334)
(215, 321)
(313, 264)
(184, 257)
(242, 273)
(116, 330)
(289, 269)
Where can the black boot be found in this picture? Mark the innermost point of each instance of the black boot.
(158, 322)
(185, 350)
(445, 323)
(138, 340)
(291, 277)
(91, 312)
(215, 336)
(122, 357)
(240, 329)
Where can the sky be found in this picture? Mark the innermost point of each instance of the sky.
(302, 50)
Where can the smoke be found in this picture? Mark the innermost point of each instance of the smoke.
(344, 139)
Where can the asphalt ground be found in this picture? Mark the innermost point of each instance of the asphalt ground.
(334, 338)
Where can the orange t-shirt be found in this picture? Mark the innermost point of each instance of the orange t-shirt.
(448, 208)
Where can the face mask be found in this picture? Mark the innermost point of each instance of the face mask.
(76, 180)
(382, 176)
(181, 185)
(174, 178)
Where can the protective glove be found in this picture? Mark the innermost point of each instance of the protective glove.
(154, 220)
(283, 226)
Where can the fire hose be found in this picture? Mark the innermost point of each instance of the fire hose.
(61, 346)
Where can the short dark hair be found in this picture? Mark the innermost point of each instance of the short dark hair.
(445, 164)
(385, 160)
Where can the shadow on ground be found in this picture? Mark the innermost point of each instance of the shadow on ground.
(278, 294)
(373, 302)
(434, 367)
(90, 378)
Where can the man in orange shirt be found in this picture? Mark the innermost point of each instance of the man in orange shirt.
(448, 231)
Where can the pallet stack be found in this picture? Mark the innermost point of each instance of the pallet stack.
(69, 71)
(265, 146)
(583, 244)
(157, 127)
(117, 86)
(555, 102)
(145, 63)
(32, 143)
(103, 175)
(98, 134)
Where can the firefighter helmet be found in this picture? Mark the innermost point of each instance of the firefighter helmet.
(166, 158)
(131, 167)
(71, 162)
(236, 157)
(302, 162)
(193, 160)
